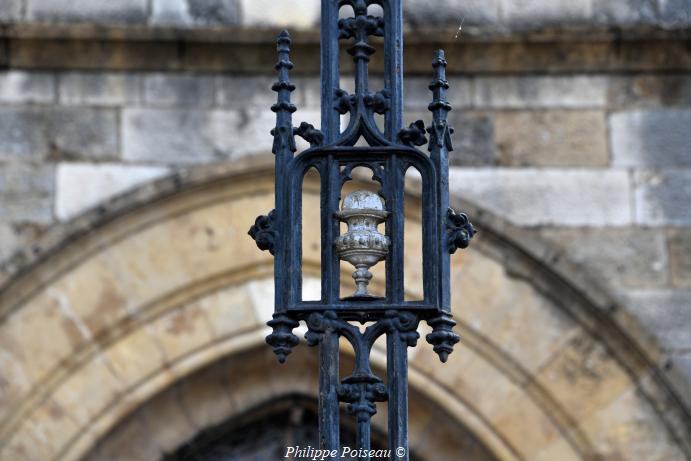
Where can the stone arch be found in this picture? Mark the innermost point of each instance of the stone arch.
(131, 298)
(227, 392)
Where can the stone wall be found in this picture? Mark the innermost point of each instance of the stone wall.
(498, 14)
(590, 148)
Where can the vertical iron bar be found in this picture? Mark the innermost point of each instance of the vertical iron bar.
(330, 69)
(328, 397)
(363, 438)
(284, 148)
(395, 181)
(360, 53)
(397, 375)
(329, 348)
(439, 153)
(393, 72)
(331, 195)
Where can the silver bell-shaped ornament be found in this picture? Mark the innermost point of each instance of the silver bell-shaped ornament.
(362, 245)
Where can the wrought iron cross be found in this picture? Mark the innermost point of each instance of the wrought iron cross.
(389, 153)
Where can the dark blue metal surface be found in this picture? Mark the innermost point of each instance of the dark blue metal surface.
(389, 154)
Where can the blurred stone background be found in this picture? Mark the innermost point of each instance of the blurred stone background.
(572, 117)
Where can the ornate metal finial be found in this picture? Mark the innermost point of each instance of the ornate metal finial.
(362, 246)
(284, 108)
(456, 227)
(440, 132)
(442, 337)
(282, 339)
(360, 28)
(267, 230)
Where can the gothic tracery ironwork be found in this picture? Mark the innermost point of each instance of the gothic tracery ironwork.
(389, 153)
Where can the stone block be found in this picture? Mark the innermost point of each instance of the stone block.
(658, 138)
(20, 134)
(680, 257)
(26, 87)
(535, 14)
(215, 12)
(182, 136)
(26, 192)
(179, 90)
(86, 394)
(33, 341)
(31, 208)
(532, 197)
(236, 92)
(135, 357)
(16, 236)
(182, 331)
(10, 10)
(645, 91)
(491, 302)
(675, 13)
(25, 446)
(683, 363)
(663, 197)
(583, 377)
(623, 257)
(108, 49)
(52, 424)
(625, 12)
(16, 383)
(170, 12)
(100, 11)
(78, 133)
(629, 428)
(425, 13)
(417, 95)
(664, 313)
(473, 139)
(80, 186)
(58, 132)
(99, 89)
(518, 417)
(195, 12)
(9, 241)
(205, 398)
(578, 91)
(129, 441)
(559, 449)
(552, 138)
(229, 311)
(167, 407)
(298, 14)
(308, 92)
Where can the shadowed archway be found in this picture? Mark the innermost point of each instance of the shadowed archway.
(261, 432)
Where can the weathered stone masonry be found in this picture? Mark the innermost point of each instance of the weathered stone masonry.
(572, 118)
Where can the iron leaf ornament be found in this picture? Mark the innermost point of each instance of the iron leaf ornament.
(414, 135)
(264, 232)
(460, 230)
